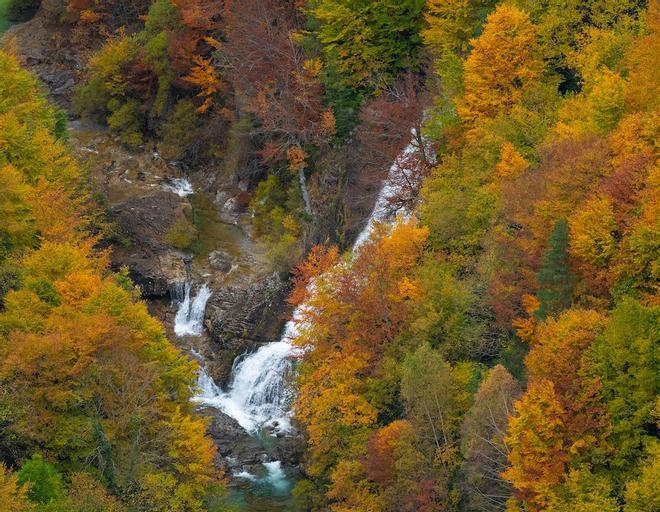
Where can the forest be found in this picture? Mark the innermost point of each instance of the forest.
(492, 342)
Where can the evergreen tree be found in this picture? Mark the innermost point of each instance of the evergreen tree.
(45, 481)
(555, 279)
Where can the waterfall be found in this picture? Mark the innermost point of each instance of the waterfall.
(259, 393)
(180, 186)
(189, 320)
(177, 292)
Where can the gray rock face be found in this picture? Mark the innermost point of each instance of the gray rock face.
(144, 221)
(221, 261)
(46, 49)
(239, 449)
(239, 318)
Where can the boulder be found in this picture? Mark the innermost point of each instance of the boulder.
(221, 261)
(232, 440)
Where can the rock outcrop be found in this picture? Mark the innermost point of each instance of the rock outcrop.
(238, 316)
(232, 440)
(143, 223)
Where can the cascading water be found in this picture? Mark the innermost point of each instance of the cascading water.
(189, 320)
(180, 186)
(259, 393)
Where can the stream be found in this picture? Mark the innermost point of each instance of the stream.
(260, 393)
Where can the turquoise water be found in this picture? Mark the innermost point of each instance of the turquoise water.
(267, 489)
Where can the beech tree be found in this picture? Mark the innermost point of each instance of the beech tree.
(348, 318)
(282, 81)
(89, 379)
(503, 64)
(429, 393)
(451, 24)
(13, 497)
(537, 448)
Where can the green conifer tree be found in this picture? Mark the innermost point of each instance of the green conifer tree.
(555, 279)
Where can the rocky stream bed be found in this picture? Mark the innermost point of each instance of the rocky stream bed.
(145, 196)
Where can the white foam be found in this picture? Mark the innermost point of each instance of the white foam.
(189, 320)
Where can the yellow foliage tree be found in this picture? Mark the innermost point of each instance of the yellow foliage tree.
(13, 497)
(503, 64)
(643, 494)
(204, 76)
(511, 163)
(536, 441)
(592, 230)
(451, 23)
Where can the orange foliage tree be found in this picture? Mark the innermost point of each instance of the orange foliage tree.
(350, 313)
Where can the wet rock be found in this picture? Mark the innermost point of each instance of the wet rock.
(156, 274)
(221, 261)
(221, 197)
(232, 206)
(288, 448)
(232, 440)
(247, 315)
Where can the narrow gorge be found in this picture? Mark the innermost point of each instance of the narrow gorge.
(329, 256)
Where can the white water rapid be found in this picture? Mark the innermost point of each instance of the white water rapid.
(189, 320)
(180, 186)
(259, 393)
(275, 476)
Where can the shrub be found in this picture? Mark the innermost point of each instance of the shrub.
(180, 131)
(182, 234)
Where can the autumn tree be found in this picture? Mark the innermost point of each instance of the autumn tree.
(13, 497)
(282, 84)
(537, 448)
(369, 42)
(395, 462)
(346, 328)
(571, 335)
(483, 435)
(90, 382)
(503, 65)
(642, 493)
(585, 491)
(435, 397)
(429, 393)
(452, 24)
(391, 131)
(593, 229)
(562, 24)
(132, 80)
(624, 358)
